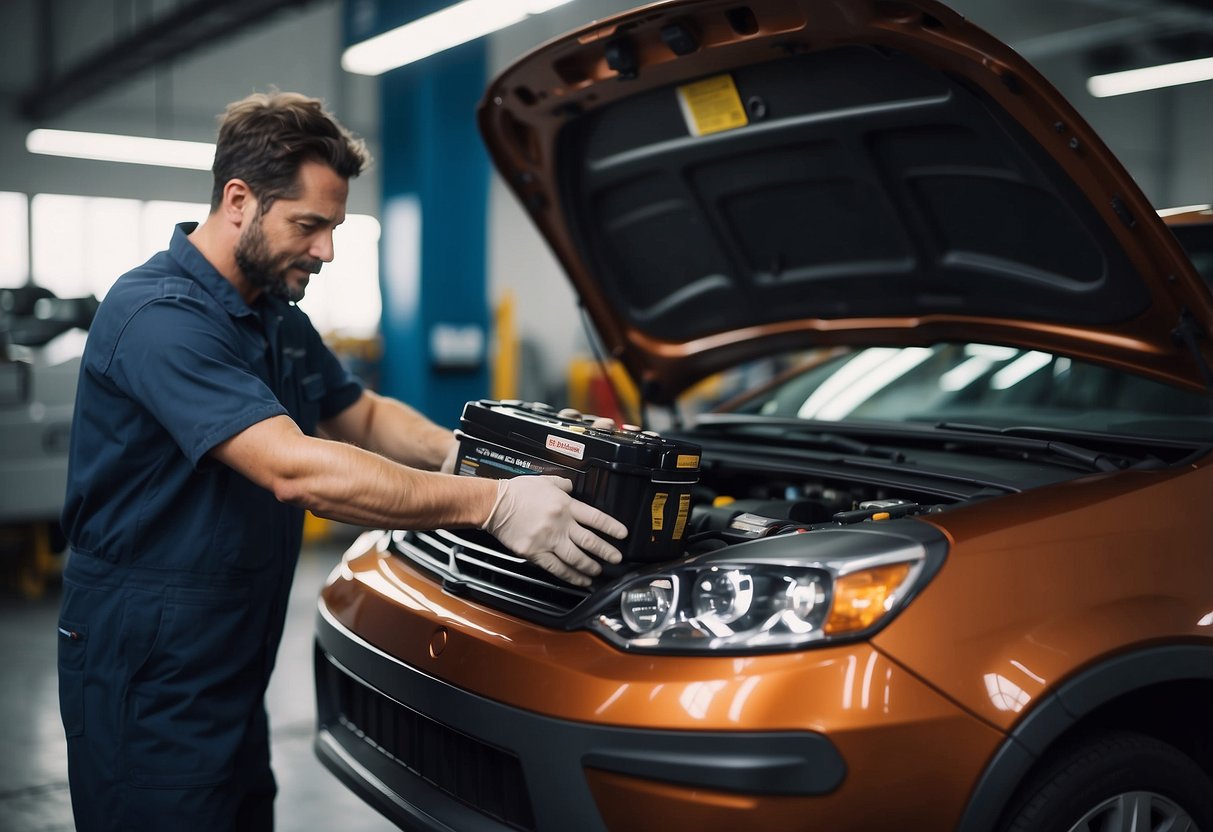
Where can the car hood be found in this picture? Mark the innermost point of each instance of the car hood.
(723, 180)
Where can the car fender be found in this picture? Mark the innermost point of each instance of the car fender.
(1050, 718)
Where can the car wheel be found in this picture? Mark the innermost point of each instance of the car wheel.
(1116, 782)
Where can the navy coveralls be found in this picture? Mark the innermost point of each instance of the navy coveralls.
(176, 585)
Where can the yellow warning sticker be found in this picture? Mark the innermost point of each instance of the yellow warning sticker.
(684, 509)
(688, 461)
(658, 510)
(711, 105)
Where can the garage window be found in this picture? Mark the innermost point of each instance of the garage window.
(14, 254)
(79, 245)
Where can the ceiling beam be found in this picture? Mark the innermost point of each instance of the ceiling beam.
(1141, 20)
(191, 25)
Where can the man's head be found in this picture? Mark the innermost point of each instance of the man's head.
(287, 163)
(264, 138)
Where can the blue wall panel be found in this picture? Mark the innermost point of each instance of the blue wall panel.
(434, 173)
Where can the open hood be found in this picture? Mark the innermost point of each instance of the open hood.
(725, 179)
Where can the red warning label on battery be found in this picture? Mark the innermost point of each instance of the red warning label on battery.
(565, 446)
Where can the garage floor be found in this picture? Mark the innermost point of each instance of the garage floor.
(33, 760)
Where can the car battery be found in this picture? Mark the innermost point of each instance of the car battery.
(638, 477)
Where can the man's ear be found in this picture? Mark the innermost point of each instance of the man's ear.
(238, 205)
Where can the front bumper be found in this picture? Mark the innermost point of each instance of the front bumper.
(439, 762)
(447, 715)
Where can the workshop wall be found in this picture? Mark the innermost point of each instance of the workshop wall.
(293, 51)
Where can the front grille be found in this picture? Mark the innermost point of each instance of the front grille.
(473, 563)
(484, 777)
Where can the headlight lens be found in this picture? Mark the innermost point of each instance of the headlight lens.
(723, 594)
(647, 607)
(749, 606)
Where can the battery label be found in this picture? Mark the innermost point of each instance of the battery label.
(684, 510)
(565, 446)
(658, 510)
(510, 465)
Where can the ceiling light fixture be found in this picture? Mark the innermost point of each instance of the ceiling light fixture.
(1150, 78)
(425, 36)
(108, 147)
(1185, 209)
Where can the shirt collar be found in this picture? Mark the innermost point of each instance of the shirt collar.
(199, 268)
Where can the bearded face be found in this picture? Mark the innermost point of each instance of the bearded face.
(283, 274)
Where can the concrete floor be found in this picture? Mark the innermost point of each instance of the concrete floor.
(33, 760)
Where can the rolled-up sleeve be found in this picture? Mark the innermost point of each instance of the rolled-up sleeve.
(174, 360)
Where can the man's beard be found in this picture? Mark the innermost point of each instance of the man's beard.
(263, 270)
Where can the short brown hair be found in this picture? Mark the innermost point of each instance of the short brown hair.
(264, 138)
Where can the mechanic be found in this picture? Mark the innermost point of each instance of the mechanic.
(209, 416)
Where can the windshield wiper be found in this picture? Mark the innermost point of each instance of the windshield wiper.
(846, 444)
(793, 429)
(1094, 459)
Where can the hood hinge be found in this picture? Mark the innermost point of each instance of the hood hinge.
(1189, 333)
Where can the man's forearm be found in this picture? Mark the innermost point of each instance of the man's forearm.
(393, 429)
(353, 485)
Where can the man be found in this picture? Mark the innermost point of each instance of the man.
(209, 415)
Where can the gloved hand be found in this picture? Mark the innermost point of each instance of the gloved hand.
(535, 517)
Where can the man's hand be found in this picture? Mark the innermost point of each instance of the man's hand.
(535, 517)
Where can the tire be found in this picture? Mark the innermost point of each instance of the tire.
(1115, 782)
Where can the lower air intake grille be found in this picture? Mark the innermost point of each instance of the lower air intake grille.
(486, 778)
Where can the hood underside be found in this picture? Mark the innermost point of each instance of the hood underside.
(723, 181)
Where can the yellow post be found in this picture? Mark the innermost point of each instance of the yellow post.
(505, 362)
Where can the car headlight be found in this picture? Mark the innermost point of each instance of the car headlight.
(764, 603)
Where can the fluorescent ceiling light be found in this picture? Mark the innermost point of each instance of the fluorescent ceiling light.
(1150, 78)
(425, 36)
(1184, 209)
(1019, 369)
(107, 147)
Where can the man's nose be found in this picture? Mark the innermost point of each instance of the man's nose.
(322, 248)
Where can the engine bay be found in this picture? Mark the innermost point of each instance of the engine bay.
(730, 505)
(689, 497)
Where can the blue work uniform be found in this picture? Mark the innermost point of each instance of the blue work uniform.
(176, 585)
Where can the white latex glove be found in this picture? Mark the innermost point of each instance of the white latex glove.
(535, 517)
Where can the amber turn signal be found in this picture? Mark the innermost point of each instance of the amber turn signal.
(862, 598)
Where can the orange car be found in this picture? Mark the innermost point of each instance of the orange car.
(953, 571)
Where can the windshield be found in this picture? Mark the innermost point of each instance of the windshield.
(985, 385)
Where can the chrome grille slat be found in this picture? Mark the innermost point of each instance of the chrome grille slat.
(461, 558)
(468, 566)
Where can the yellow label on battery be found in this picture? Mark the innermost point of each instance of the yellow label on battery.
(684, 509)
(688, 461)
(658, 510)
(711, 105)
